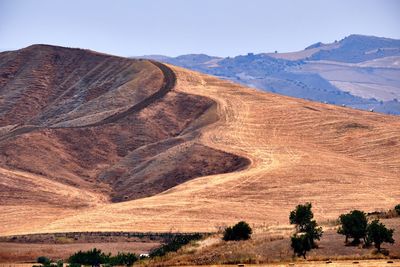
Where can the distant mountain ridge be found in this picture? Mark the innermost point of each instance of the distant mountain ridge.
(359, 48)
(359, 71)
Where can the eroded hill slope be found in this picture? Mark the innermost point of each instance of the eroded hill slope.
(285, 151)
(81, 129)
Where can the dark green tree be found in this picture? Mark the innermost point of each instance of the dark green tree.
(314, 232)
(353, 225)
(240, 231)
(307, 229)
(377, 233)
(301, 244)
(301, 216)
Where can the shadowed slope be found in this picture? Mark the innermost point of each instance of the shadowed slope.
(89, 147)
(47, 85)
(338, 158)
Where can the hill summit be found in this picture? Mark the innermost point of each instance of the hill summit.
(93, 142)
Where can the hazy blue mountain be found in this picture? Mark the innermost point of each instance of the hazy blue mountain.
(316, 45)
(359, 71)
(359, 48)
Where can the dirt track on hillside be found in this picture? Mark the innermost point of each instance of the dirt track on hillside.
(60, 160)
(299, 151)
(168, 84)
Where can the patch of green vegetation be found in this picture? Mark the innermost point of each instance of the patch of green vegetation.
(174, 244)
(123, 259)
(46, 262)
(397, 209)
(355, 225)
(240, 231)
(377, 233)
(95, 257)
(307, 230)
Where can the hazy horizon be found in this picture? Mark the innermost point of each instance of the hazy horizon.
(176, 27)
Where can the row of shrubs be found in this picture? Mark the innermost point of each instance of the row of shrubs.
(353, 225)
(95, 257)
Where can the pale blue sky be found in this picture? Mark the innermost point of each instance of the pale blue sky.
(175, 27)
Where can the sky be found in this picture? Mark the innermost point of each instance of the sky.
(176, 27)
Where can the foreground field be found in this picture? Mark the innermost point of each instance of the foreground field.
(205, 153)
(272, 245)
(269, 244)
(342, 263)
(28, 252)
(363, 263)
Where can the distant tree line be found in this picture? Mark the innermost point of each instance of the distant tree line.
(94, 257)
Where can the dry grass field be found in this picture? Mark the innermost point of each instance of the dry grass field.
(202, 154)
(343, 263)
(271, 245)
(28, 252)
(337, 158)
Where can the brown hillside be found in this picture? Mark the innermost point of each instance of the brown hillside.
(150, 128)
(81, 129)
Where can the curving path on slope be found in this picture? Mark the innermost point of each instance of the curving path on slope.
(169, 80)
(67, 157)
(337, 158)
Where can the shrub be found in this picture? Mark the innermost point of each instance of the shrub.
(92, 257)
(353, 225)
(122, 258)
(174, 244)
(240, 231)
(43, 260)
(377, 233)
(397, 209)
